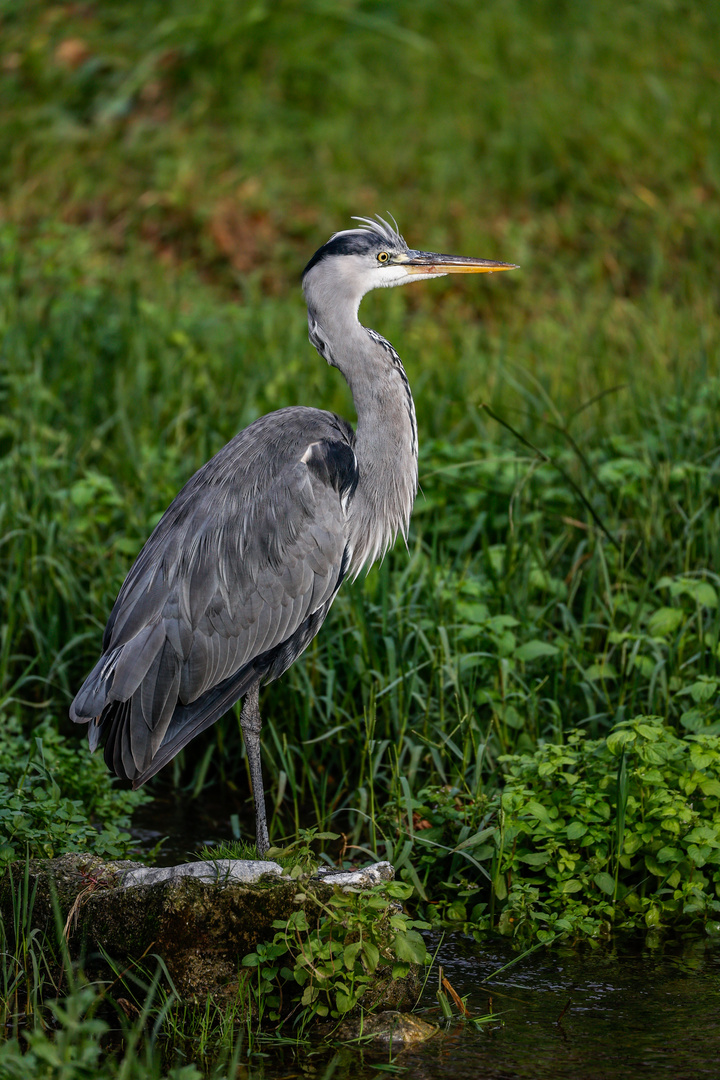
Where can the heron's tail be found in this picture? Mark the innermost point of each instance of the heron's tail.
(119, 701)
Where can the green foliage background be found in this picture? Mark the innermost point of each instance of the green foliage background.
(171, 167)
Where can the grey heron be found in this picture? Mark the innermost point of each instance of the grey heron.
(240, 572)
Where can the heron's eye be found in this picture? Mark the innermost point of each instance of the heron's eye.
(383, 257)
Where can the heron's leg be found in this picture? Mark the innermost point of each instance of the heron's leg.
(251, 725)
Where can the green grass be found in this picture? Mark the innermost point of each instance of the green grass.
(134, 344)
(112, 403)
(170, 173)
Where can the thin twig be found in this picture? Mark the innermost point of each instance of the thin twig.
(568, 479)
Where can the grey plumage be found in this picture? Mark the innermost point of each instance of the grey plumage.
(241, 570)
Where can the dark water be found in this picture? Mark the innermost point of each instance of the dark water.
(187, 825)
(614, 1014)
(606, 1014)
(610, 1014)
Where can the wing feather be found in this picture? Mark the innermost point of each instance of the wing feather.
(233, 583)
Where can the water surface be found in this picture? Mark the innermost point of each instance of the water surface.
(611, 1013)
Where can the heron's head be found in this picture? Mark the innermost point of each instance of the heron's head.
(376, 256)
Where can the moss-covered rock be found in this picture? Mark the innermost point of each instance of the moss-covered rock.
(388, 1028)
(201, 918)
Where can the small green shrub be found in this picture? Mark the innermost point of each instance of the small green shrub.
(324, 970)
(55, 797)
(585, 837)
(623, 831)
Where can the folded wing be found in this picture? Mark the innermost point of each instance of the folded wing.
(232, 585)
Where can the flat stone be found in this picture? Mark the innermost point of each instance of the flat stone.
(219, 872)
(366, 878)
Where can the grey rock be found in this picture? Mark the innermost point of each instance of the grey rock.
(219, 872)
(366, 878)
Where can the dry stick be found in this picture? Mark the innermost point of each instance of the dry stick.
(459, 1003)
(95, 884)
(567, 1006)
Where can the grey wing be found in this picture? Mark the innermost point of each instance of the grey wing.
(230, 588)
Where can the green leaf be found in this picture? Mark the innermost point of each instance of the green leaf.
(532, 650)
(344, 1001)
(512, 718)
(409, 946)
(350, 953)
(693, 720)
(653, 917)
(700, 758)
(399, 890)
(485, 851)
(536, 858)
(538, 811)
(703, 690)
(499, 622)
(705, 594)
(371, 954)
(298, 920)
(603, 670)
(619, 739)
(605, 882)
(456, 911)
(575, 830)
(701, 591)
(665, 621)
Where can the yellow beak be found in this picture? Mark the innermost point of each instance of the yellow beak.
(428, 262)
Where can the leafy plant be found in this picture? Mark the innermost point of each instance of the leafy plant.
(55, 797)
(586, 837)
(72, 1048)
(324, 967)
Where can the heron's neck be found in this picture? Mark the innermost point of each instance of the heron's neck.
(386, 436)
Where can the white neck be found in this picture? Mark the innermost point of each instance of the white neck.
(386, 437)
